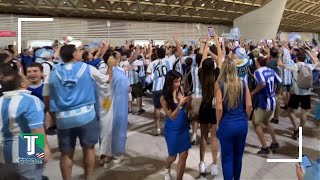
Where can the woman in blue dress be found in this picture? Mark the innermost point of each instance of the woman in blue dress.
(176, 128)
(233, 107)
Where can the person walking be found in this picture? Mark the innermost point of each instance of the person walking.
(233, 107)
(176, 128)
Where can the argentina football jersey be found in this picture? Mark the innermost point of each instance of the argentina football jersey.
(267, 96)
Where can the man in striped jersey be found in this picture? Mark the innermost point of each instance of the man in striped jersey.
(125, 55)
(175, 56)
(156, 72)
(20, 113)
(286, 76)
(196, 97)
(266, 80)
(135, 83)
(272, 64)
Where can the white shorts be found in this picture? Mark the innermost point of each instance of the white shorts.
(195, 106)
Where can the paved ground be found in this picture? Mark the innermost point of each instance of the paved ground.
(146, 153)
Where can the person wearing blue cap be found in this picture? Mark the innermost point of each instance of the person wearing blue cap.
(45, 57)
(311, 173)
(242, 62)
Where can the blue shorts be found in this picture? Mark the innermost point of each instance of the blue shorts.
(88, 135)
(156, 95)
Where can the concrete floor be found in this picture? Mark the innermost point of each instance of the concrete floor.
(145, 153)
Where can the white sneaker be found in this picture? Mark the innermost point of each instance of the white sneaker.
(158, 132)
(194, 139)
(202, 168)
(134, 101)
(167, 175)
(214, 170)
(118, 160)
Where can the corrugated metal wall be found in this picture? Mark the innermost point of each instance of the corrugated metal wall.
(88, 30)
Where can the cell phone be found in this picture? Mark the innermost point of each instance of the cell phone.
(306, 162)
(221, 39)
(236, 44)
(190, 93)
(210, 31)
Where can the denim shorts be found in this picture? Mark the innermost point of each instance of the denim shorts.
(156, 95)
(88, 135)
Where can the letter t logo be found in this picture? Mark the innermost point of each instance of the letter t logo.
(31, 144)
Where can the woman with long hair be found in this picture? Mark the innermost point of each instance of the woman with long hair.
(176, 128)
(208, 73)
(233, 107)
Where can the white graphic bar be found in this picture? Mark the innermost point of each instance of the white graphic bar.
(28, 19)
(292, 160)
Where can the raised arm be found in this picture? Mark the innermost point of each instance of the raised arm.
(104, 49)
(219, 59)
(205, 51)
(284, 44)
(98, 53)
(223, 49)
(280, 60)
(219, 106)
(178, 46)
(314, 60)
(248, 102)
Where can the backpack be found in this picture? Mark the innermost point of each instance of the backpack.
(305, 77)
(176, 65)
(45, 62)
(186, 84)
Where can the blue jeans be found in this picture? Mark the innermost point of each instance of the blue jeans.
(21, 171)
(232, 136)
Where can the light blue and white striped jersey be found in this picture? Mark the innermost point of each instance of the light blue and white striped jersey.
(177, 65)
(133, 74)
(267, 96)
(158, 70)
(197, 89)
(133, 77)
(20, 112)
(194, 63)
(141, 71)
(124, 64)
(286, 74)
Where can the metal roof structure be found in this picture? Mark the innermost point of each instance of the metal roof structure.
(299, 15)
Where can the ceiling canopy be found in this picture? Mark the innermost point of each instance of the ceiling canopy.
(299, 15)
